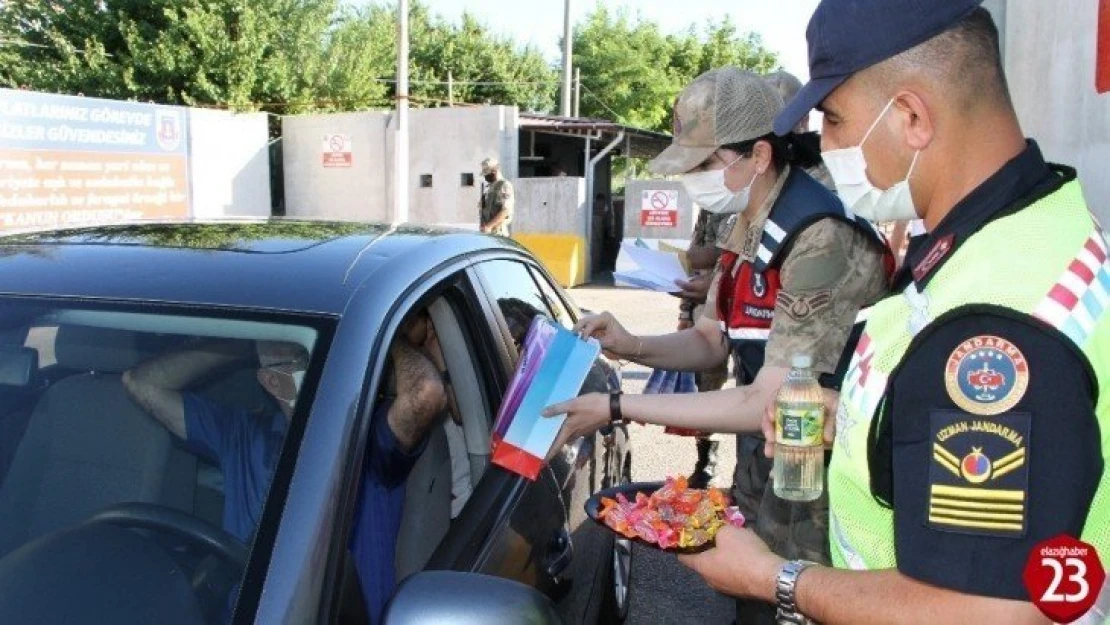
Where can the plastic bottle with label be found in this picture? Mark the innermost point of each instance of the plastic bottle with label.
(799, 468)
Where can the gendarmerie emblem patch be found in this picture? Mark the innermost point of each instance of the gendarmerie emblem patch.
(986, 375)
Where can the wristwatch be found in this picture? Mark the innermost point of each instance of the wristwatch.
(785, 585)
(616, 417)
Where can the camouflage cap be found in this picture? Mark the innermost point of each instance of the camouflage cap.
(721, 107)
(489, 166)
(785, 83)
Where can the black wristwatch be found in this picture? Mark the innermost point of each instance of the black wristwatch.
(615, 415)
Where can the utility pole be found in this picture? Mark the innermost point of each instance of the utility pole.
(401, 142)
(565, 109)
(577, 90)
(450, 90)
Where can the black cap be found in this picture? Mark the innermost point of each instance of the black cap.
(846, 36)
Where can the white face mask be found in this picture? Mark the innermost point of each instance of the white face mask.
(298, 379)
(709, 191)
(848, 169)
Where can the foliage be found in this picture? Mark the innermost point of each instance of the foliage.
(291, 56)
(632, 71)
(285, 56)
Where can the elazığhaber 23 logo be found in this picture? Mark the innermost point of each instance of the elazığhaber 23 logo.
(1064, 578)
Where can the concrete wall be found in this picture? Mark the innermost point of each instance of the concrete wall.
(687, 214)
(444, 143)
(230, 164)
(1050, 64)
(359, 192)
(449, 142)
(550, 206)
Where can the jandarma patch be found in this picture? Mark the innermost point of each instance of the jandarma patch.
(986, 375)
(979, 474)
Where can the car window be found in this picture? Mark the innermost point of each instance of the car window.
(554, 302)
(167, 423)
(520, 299)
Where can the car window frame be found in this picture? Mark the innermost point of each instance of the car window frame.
(548, 284)
(466, 545)
(451, 280)
(488, 289)
(260, 549)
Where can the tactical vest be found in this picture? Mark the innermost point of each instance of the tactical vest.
(1053, 234)
(748, 290)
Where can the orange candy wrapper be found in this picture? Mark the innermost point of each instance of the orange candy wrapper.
(675, 516)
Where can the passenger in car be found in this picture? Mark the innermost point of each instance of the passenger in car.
(415, 399)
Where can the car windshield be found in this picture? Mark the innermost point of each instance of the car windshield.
(137, 448)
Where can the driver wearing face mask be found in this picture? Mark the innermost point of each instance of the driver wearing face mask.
(245, 444)
(795, 269)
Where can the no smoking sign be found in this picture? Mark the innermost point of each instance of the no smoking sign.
(336, 150)
(659, 208)
(1064, 577)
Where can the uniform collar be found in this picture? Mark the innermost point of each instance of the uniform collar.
(744, 233)
(1020, 182)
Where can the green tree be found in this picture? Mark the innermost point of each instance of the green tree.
(723, 45)
(285, 56)
(487, 67)
(632, 71)
(625, 69)
(196, 52)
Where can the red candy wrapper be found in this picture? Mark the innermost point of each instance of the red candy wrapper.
(673, 516)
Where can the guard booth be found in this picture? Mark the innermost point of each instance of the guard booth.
(566, 213)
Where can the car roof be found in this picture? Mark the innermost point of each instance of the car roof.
(277, 263)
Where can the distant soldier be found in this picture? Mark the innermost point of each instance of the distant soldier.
(497, 200)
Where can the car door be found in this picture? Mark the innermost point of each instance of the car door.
(564, 558)
(601, 462)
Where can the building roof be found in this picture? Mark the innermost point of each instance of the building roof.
(639, 143)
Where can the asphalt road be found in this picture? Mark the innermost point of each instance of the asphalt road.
(663, 591)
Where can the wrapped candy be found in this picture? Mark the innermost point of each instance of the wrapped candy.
(734, 517)
(673, 516)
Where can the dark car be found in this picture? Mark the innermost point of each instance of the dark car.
(107, 517)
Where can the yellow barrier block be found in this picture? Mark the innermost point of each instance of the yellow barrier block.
(564, 255)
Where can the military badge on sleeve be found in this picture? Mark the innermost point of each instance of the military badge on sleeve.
(986, 375)
(804, 305)
(979, 474)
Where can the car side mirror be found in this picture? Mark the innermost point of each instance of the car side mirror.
(467, 599)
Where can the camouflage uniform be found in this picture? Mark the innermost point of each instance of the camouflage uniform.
(830, 271)
(498, 196)
(827, 274)
(708, 230)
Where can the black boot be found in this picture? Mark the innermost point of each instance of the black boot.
(706, 465)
